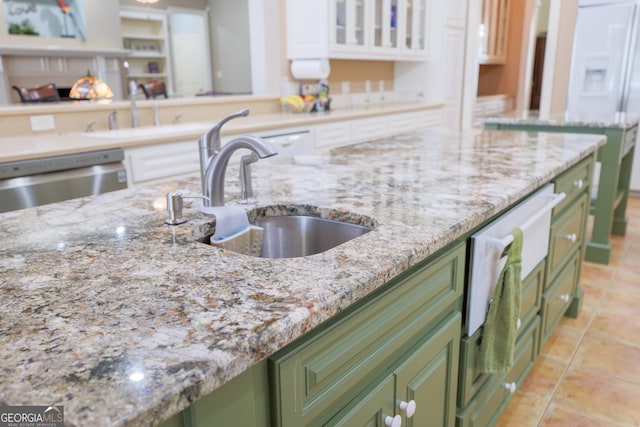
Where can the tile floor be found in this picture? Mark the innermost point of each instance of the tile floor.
(588, 373)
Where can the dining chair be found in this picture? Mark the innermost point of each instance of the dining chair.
(44, 93)
(154, 88)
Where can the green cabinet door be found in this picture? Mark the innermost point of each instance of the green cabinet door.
(372, 410)
(429, 377)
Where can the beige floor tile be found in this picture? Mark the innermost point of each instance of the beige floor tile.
(557, 416)
(583, 321)
(630, 263)
(609, 357)
(597, 274)
(622, 302)
(627, 282)
(592, 296)
(563, 341)
(599, 396)
(544, 377)
(616, 326)
(522, 411)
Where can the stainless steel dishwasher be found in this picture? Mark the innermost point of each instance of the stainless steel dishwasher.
(35, 182)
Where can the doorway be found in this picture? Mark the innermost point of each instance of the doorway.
(189, 32)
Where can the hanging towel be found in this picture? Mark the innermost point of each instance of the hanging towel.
(500, 328)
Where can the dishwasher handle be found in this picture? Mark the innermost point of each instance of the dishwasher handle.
(502, 243)
(286, 139)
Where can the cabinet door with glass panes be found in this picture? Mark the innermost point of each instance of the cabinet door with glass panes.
(399, 28)
(385, 30)
(350, 32)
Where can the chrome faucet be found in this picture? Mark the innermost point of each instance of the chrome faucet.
(133, 92)
(214, 176)
(246, 187)
(209, 144)
(113, 120)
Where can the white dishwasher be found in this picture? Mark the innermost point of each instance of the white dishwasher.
(533, 216)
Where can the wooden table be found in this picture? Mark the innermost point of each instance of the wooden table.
(615, 157)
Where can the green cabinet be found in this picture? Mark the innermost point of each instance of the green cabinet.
(420, 392)
(496, 392)
(429, 376)
(567, 245)
(244, 401)
(548, 293)
(329, 371)
(472, 379)
(371, 410)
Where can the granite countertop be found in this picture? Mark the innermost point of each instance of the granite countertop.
(126, 321)
(38, 145)
(612, 120)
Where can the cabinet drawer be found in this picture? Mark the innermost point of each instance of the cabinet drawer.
(399, 123)
(369, 129)
(333, 135)
(567, 234)
(532, 288)
(162, 161)
(572, 183)
(557, 298)
(527, 351)
(471, 378)
(428, 119)
(317, 375)
(485, 408)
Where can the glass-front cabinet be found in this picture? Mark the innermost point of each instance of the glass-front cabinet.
(350, 31)
(357, 29)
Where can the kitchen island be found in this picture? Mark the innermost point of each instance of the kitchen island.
(609, 207)
(127, 321)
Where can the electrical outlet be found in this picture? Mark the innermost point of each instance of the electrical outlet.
(44, 122)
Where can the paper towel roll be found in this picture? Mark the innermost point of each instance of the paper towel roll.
(310, 68)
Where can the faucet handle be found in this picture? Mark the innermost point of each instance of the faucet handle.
(246, 193)
(211, 140)
(113, 120)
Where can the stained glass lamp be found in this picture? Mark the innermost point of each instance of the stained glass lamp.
(90, 87)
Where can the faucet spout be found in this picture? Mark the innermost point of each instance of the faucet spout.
(133, 92)
(214, 177)
(210, 143)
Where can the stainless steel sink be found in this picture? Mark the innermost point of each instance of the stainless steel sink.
(298, 236)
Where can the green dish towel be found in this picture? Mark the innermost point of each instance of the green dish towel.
(500, 328)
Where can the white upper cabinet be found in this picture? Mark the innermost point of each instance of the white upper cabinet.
(357, 29)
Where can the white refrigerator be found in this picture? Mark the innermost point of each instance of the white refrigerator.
(605, 66)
